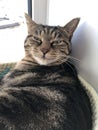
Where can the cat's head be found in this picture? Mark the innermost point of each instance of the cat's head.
(49, 45)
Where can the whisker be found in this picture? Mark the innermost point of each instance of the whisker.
(73, 58)
(71, 68)
(64, 60)
(73, 64)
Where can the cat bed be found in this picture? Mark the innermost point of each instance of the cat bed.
(5, 68)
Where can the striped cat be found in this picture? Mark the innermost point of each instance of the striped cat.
(43, 91)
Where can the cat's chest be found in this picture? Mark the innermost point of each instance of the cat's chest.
(36, 78)
(49, 78)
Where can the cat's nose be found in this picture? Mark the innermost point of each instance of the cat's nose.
(44, 50)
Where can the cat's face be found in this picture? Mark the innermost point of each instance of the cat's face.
(49, 45)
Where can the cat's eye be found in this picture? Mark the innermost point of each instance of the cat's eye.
(57, 43)
(53, 43)
(36, 40)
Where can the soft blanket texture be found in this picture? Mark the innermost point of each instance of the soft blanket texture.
(5, 68)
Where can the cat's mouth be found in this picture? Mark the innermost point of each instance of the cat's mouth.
(44, 57)
(44, 60)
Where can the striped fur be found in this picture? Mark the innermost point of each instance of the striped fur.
(43, 91)
(48, 45)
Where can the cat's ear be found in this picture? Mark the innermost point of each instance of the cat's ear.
(71, 26)
(30, 23)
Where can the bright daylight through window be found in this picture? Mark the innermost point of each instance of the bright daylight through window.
(12, 29)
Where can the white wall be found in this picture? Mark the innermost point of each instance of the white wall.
(85, 39)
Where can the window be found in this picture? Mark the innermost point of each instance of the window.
(12, 29)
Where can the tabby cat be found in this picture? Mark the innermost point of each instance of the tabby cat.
(43, 91)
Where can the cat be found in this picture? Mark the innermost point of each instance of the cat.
(43, 91)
